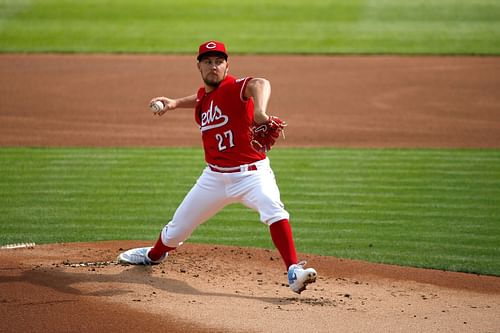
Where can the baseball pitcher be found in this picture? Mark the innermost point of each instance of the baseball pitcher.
(236, 133)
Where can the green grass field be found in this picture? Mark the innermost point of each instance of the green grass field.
(424, 208)
(257, 26)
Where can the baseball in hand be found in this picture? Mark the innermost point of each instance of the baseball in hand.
(157, 106)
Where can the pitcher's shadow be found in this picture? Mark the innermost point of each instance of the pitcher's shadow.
(62, 281)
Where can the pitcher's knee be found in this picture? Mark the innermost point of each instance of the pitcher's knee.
(174, 236)
(275, 218)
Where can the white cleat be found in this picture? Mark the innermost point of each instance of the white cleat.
(138, 256)
(299, 278)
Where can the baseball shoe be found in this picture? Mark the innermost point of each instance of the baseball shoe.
(138, 256)
(299, 278)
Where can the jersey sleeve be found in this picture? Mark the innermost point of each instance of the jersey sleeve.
(242, 86)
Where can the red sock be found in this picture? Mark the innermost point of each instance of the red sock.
(159, 249)
(281, 233)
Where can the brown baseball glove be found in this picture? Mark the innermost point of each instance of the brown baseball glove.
(264, 136)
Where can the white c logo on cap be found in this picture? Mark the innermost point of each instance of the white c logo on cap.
(211, 45)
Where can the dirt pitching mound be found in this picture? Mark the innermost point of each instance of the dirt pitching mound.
(204, 288)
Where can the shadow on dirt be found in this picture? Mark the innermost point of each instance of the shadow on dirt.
(66, 282)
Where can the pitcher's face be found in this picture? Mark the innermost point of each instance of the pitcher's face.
(213, 69)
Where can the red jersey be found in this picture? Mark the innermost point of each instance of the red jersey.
(225, 116)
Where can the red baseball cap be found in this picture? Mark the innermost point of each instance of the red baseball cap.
(211, 46)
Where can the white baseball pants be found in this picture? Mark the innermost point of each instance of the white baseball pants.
(256, 189)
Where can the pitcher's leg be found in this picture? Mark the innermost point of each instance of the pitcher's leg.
(204, 200)
(263, 195)
(159, 249)
(281, 234)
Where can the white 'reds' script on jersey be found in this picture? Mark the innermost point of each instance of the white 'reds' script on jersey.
(213, 118)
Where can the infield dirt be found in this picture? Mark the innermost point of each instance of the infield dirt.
(101, 100)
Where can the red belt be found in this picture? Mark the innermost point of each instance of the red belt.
(251, 167)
